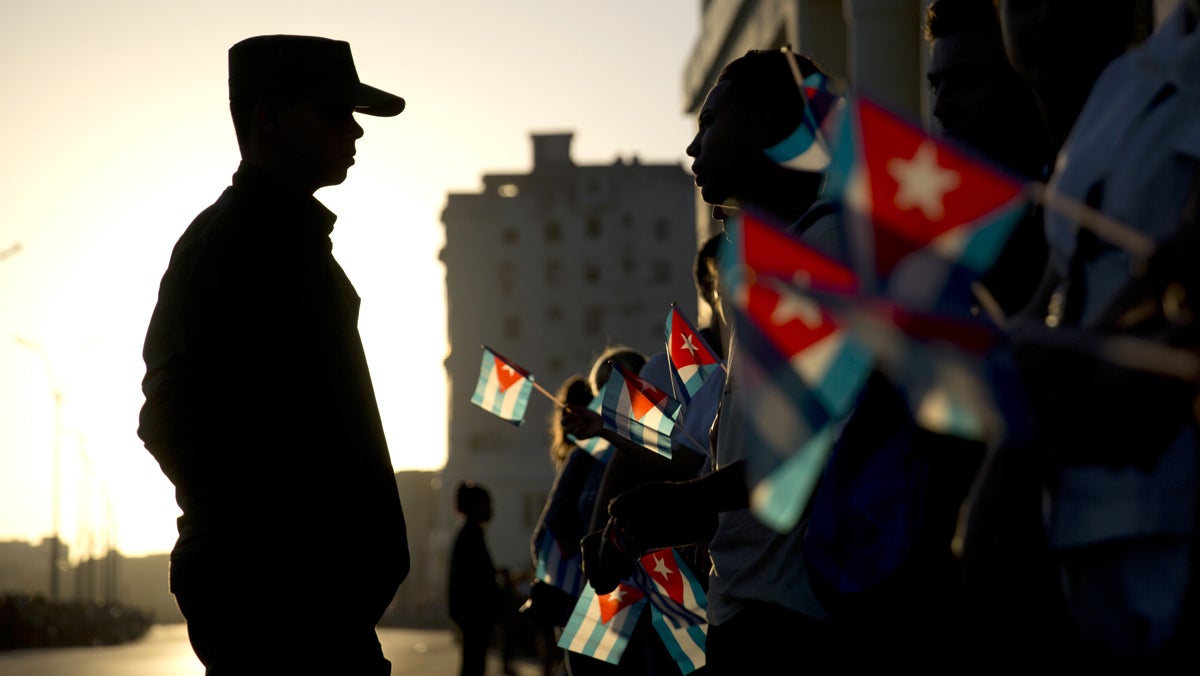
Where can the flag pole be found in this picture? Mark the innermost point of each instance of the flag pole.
(1084, 216)
(557, 402)
(529, 376)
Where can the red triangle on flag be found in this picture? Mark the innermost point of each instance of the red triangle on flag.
(686, 346)
(663, 569)
(506, 375)
(791, 321)
(922, 187)
(617, 600)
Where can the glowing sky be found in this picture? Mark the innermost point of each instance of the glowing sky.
(114, 133)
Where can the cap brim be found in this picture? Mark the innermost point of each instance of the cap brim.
(371, 101)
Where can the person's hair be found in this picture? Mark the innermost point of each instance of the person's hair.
(953, 17)
(468, 495)
(574, 391)
(704, 272)
(762, 81)
(629, 359)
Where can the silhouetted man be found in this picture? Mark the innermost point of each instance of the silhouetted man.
(259, 405)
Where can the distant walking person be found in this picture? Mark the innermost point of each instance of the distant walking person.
(473, 595)
(259, 405)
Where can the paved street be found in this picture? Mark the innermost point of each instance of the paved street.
(165, 652)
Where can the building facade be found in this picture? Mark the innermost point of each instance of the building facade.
(548, 268)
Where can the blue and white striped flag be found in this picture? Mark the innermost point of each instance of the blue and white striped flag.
(503, 387)
(556, 567)
(678, 606)
(600, 625)
(639, 411)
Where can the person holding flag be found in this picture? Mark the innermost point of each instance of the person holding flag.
(761, 611)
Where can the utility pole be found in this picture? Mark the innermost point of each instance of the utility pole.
(56, 539)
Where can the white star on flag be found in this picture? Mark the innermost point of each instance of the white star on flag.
(617, 595)
(922, 181)
(662, 568)
(792, 306)
(508, 369)
(687, 344)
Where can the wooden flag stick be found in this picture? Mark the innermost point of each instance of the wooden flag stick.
(557, 402)
(1082, 215)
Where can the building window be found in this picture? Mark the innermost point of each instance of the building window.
(593, 228)
(554, 313)
(554, 272)
(591, 273)
(553, 231)
(509, 235)
(511, 326)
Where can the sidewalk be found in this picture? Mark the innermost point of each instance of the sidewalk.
(435, 652)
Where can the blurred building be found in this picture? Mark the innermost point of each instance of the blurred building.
(548, 268)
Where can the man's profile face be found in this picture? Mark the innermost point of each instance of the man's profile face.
(978, 99)
(722, 148)
(317, 139)
(1051, 41)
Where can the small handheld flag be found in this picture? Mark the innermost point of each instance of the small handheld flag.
(503, 387)
(691, 358)
(600, 625)
(639, 411)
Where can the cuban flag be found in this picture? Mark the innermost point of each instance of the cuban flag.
(691, 358)
(597, 446)
(557, 567)
(503, 387)
(678, 606)
(785, 289)
(800, 368)
(639, 411)
(807, 148)
(600, 625)
(925, 218)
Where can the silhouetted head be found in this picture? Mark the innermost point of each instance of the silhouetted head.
(576, 392)
(292, 99)
(755, 103)
(630, 359)
(1052, 42)
(978, 99)
(473, 501)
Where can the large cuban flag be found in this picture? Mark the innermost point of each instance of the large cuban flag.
(925, 218)
(800, 370)
(691, 358)
(639, 411)
(600, 625)
(503, 387)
